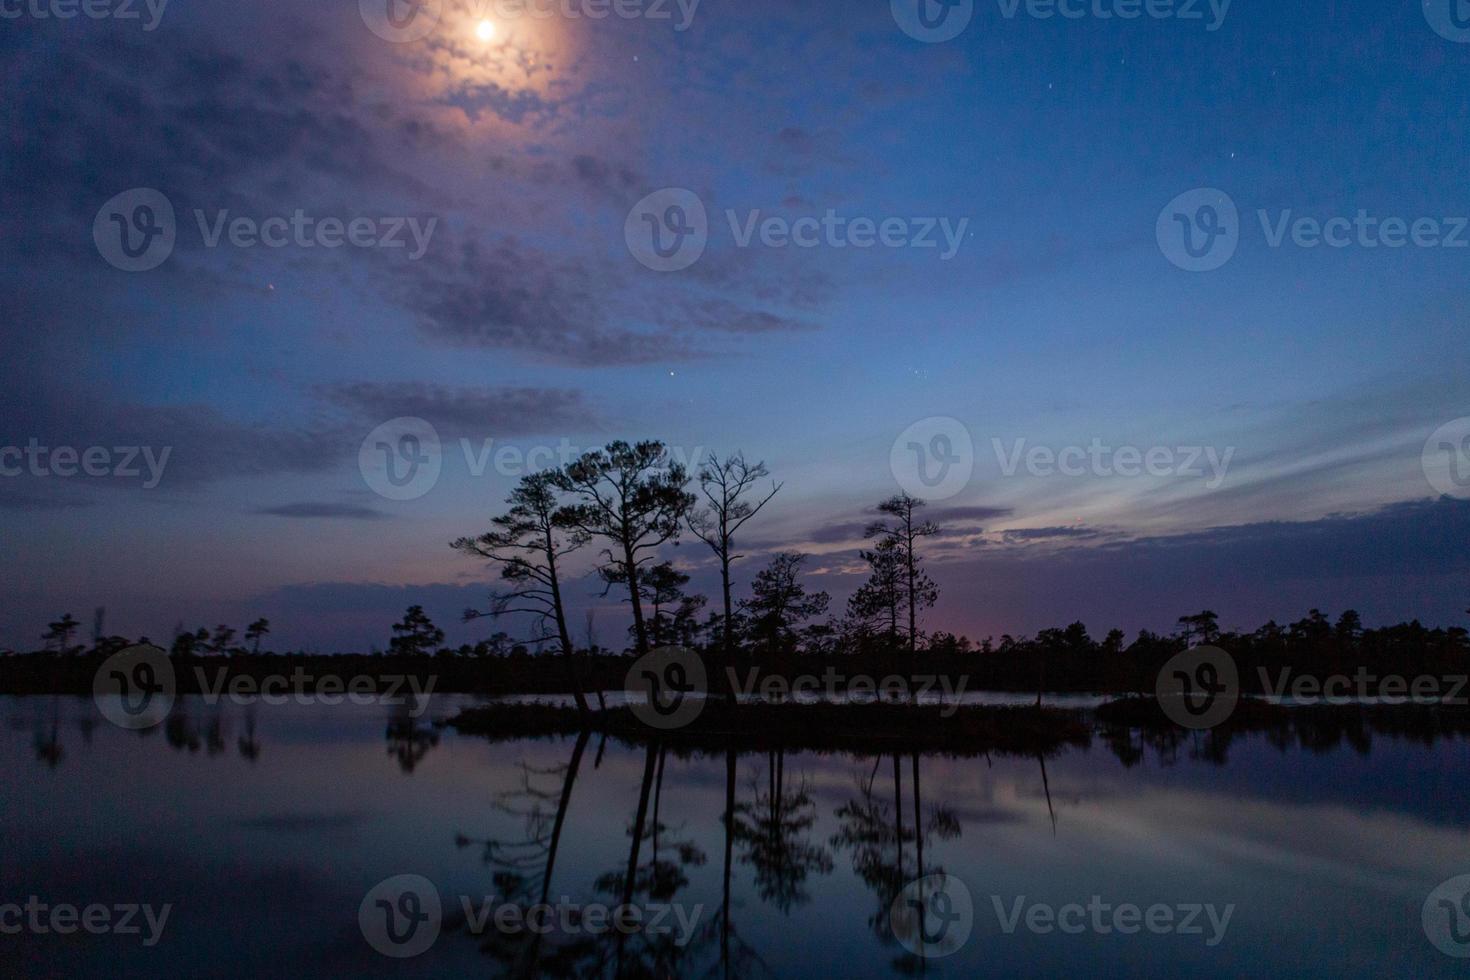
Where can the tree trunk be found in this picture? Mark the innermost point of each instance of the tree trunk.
(638, 823)
(568, 652)
(918, 820)
(729, 851)
(729, 608)
(640, 630)
(525, 965)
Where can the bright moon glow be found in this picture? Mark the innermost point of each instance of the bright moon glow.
(485, 30)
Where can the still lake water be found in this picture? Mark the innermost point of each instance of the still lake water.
(264, 828)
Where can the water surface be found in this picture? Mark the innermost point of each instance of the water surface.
(264, 827)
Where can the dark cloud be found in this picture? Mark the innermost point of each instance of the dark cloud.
(838, 533)
(323, 510)
(604, 177)
(197, 123)
(187, 444)
(1408, 538)
(512, 296)
(498, 412)
(1396, 562)
(17, 493)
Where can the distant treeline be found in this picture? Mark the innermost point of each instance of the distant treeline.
(626, 502)
(1055, 660)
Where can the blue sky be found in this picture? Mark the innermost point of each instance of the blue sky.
(1060, 319)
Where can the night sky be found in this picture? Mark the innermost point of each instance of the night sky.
(1059, 316)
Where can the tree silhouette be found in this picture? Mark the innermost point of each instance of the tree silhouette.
(527, 542)
(47, 738)
(918, 591)
(417, 635)
(779, 603)
(1202, 626)
(223, 637)
(875, 603)
(185, 643)
(725, 484)
(255, 631)
(59, 633)
(772, 830)
(876, 836)
(633, 497)
(408, 741)
(674, 611)
(523, 868)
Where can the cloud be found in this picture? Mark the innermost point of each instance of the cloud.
(1391, 563)
(184, 445)
(1049, 533)
(323, 510)
(838, 533)
(509, 295)
(501, 412)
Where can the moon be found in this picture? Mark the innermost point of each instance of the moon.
(485, 30)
